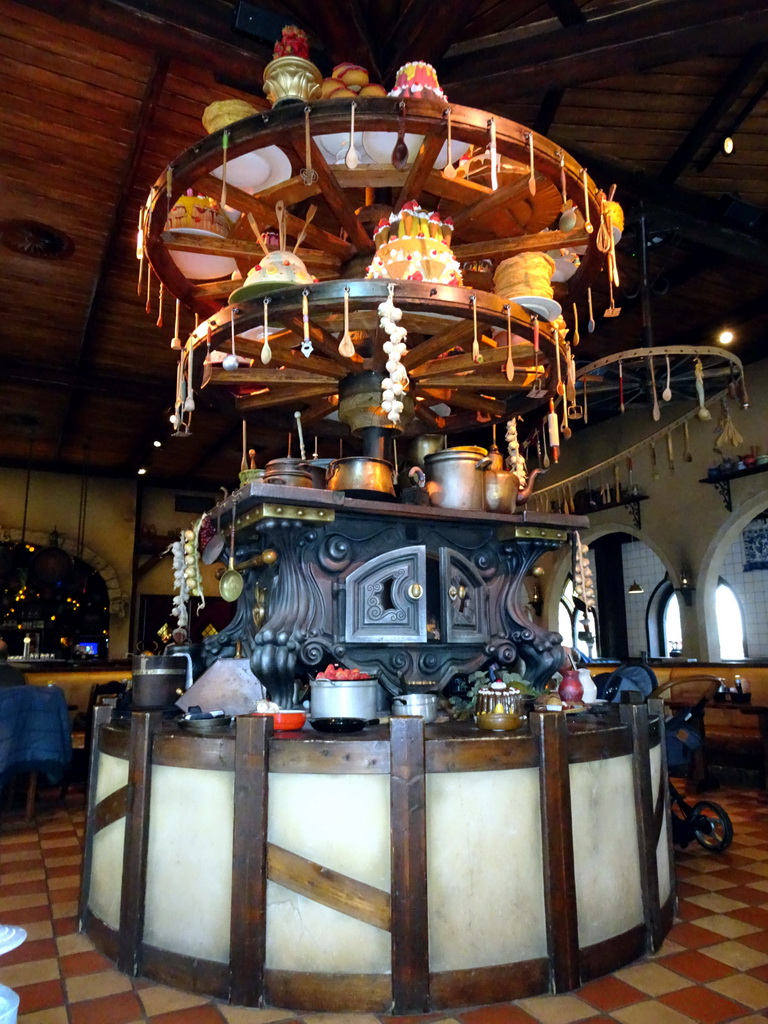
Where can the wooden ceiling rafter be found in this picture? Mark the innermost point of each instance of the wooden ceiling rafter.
(723, 100)
(620, 39)
(424, 34)
(733, 126)
(124, 191)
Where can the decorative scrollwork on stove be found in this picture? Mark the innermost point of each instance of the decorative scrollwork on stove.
(335, 553)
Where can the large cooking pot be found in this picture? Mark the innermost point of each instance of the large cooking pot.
(157, 680)
(422, 705)
(317, 470)
(343, 698)
(290, 472)
(360, 473)
(453, 478)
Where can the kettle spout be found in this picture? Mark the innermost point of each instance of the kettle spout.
(524, 495)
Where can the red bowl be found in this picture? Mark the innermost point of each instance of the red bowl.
(285, 721)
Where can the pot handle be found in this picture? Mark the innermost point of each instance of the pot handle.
(417, 473)
(483, 463)
(276, 480)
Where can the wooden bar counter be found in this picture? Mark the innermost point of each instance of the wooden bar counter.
(403, 869)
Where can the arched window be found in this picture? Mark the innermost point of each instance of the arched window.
(730, 623)
(672, 627)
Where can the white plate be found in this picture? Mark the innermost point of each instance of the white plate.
(334, 147)
(253, 172)
(547, 309)
(194, 231)
(198, 266)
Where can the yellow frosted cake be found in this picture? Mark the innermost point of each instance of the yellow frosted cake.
(414, 245)
(528, 273)
(197, 213)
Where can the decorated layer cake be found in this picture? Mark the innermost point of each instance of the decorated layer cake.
(280, 269)
(417, 81)
(414, 245)
(197, 213)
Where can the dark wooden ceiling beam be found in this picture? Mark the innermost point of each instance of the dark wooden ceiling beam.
(733, 126)
(567, 12)
(620, 40)
(425, 31)
(39, 374)
(725, 97)
(123, 192)
(180, 31)
(347, 37)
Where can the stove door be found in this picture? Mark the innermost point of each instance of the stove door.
(386, 598)
(463, 600)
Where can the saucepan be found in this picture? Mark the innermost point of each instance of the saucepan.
(341, 724)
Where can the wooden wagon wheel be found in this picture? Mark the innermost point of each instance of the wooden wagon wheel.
(490, 225)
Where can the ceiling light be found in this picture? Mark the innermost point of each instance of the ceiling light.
(635, 588)
(728, 145)
(725, 337)
(157, 444)
(142, 471)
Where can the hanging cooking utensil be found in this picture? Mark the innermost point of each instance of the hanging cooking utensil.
(587, 222)
(303, 233)
(655, 411)
(531, 169)
(475, 341)
(621, 387)
(352, 158)
(244, 459)
(400, 151)
(346, 345)
(224, 148)
(449, 171)
(591, 324)
(306, 346)
(666, 394)
(537, 391)
(603, 238)
(538, 448)
(215, 545)
(231, 583)
(281, 223)
(654, 463)
(308, 174)
(509, 367)
(584, 401)
(556, 338)
(230, 360)
(266, 351)
(176, 340)
(670, 453)
(255, 229)
(698, 370)
(554, 432)
(565, 429)
(687, 454)
(576, 338)
(302, 452)
(612, 310)
(492, 153)
(563, 191)
(545, 461)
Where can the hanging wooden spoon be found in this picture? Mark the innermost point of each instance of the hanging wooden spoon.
(591, 324)
(307, 221)
(666, 394)
(545, 461)
(266, 351)
(400, 151)
(257, 232)
(449, 171)
(621, 387)
(565, 430)
(587, 222)
(352, 159)
(280, 211)
(532, 174)
(575, 325)
(687, 455)
(560, 387)
(244, 460)
(346, 345)
(509, 367)
(563, 191)
(655, 411)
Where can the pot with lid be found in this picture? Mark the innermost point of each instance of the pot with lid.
(452, 478)
(289, 472)
(421, 705)
(344, 698)
(360, 473)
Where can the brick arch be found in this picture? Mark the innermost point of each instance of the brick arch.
(117, 599)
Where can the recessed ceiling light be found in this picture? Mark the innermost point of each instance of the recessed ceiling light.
(142, 471)
(158, 444)
(728, 144)
(725, 337)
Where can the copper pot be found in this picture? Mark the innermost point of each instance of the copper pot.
(360, 473)
(289, 472)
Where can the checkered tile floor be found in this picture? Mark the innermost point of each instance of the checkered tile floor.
(713, 967)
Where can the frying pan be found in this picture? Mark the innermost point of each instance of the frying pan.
(341, 724)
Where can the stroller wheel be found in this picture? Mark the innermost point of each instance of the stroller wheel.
(711, 826)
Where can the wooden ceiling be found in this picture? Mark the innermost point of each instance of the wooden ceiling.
(98, 96)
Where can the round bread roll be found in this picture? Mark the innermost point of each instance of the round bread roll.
(340, 93)
(373, 90)
(330, 86)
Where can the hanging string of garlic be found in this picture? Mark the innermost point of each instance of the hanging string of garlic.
(515, 458)
(583, 583)
(393, 386)
(187, 576)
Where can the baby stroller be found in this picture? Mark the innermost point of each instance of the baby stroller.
(705, 821)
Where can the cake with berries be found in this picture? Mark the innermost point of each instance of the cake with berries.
(417, 81)
(414, 245)
(192, 213)
(280, 269)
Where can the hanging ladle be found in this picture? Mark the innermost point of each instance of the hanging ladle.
(231, 583)
(666, 394)
(400, 151)
(449, 171)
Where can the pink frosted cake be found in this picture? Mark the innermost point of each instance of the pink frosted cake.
(417, 81)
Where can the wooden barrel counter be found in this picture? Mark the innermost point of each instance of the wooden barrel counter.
(403, 869)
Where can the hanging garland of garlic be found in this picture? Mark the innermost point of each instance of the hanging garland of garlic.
(515, 458)
(187, 577)
(393, 386)
(583, 584)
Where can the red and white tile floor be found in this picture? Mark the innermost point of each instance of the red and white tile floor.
(713, 967)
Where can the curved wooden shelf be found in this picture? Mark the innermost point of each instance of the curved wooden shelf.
(490, 225)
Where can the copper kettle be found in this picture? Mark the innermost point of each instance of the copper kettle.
(502, 487)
